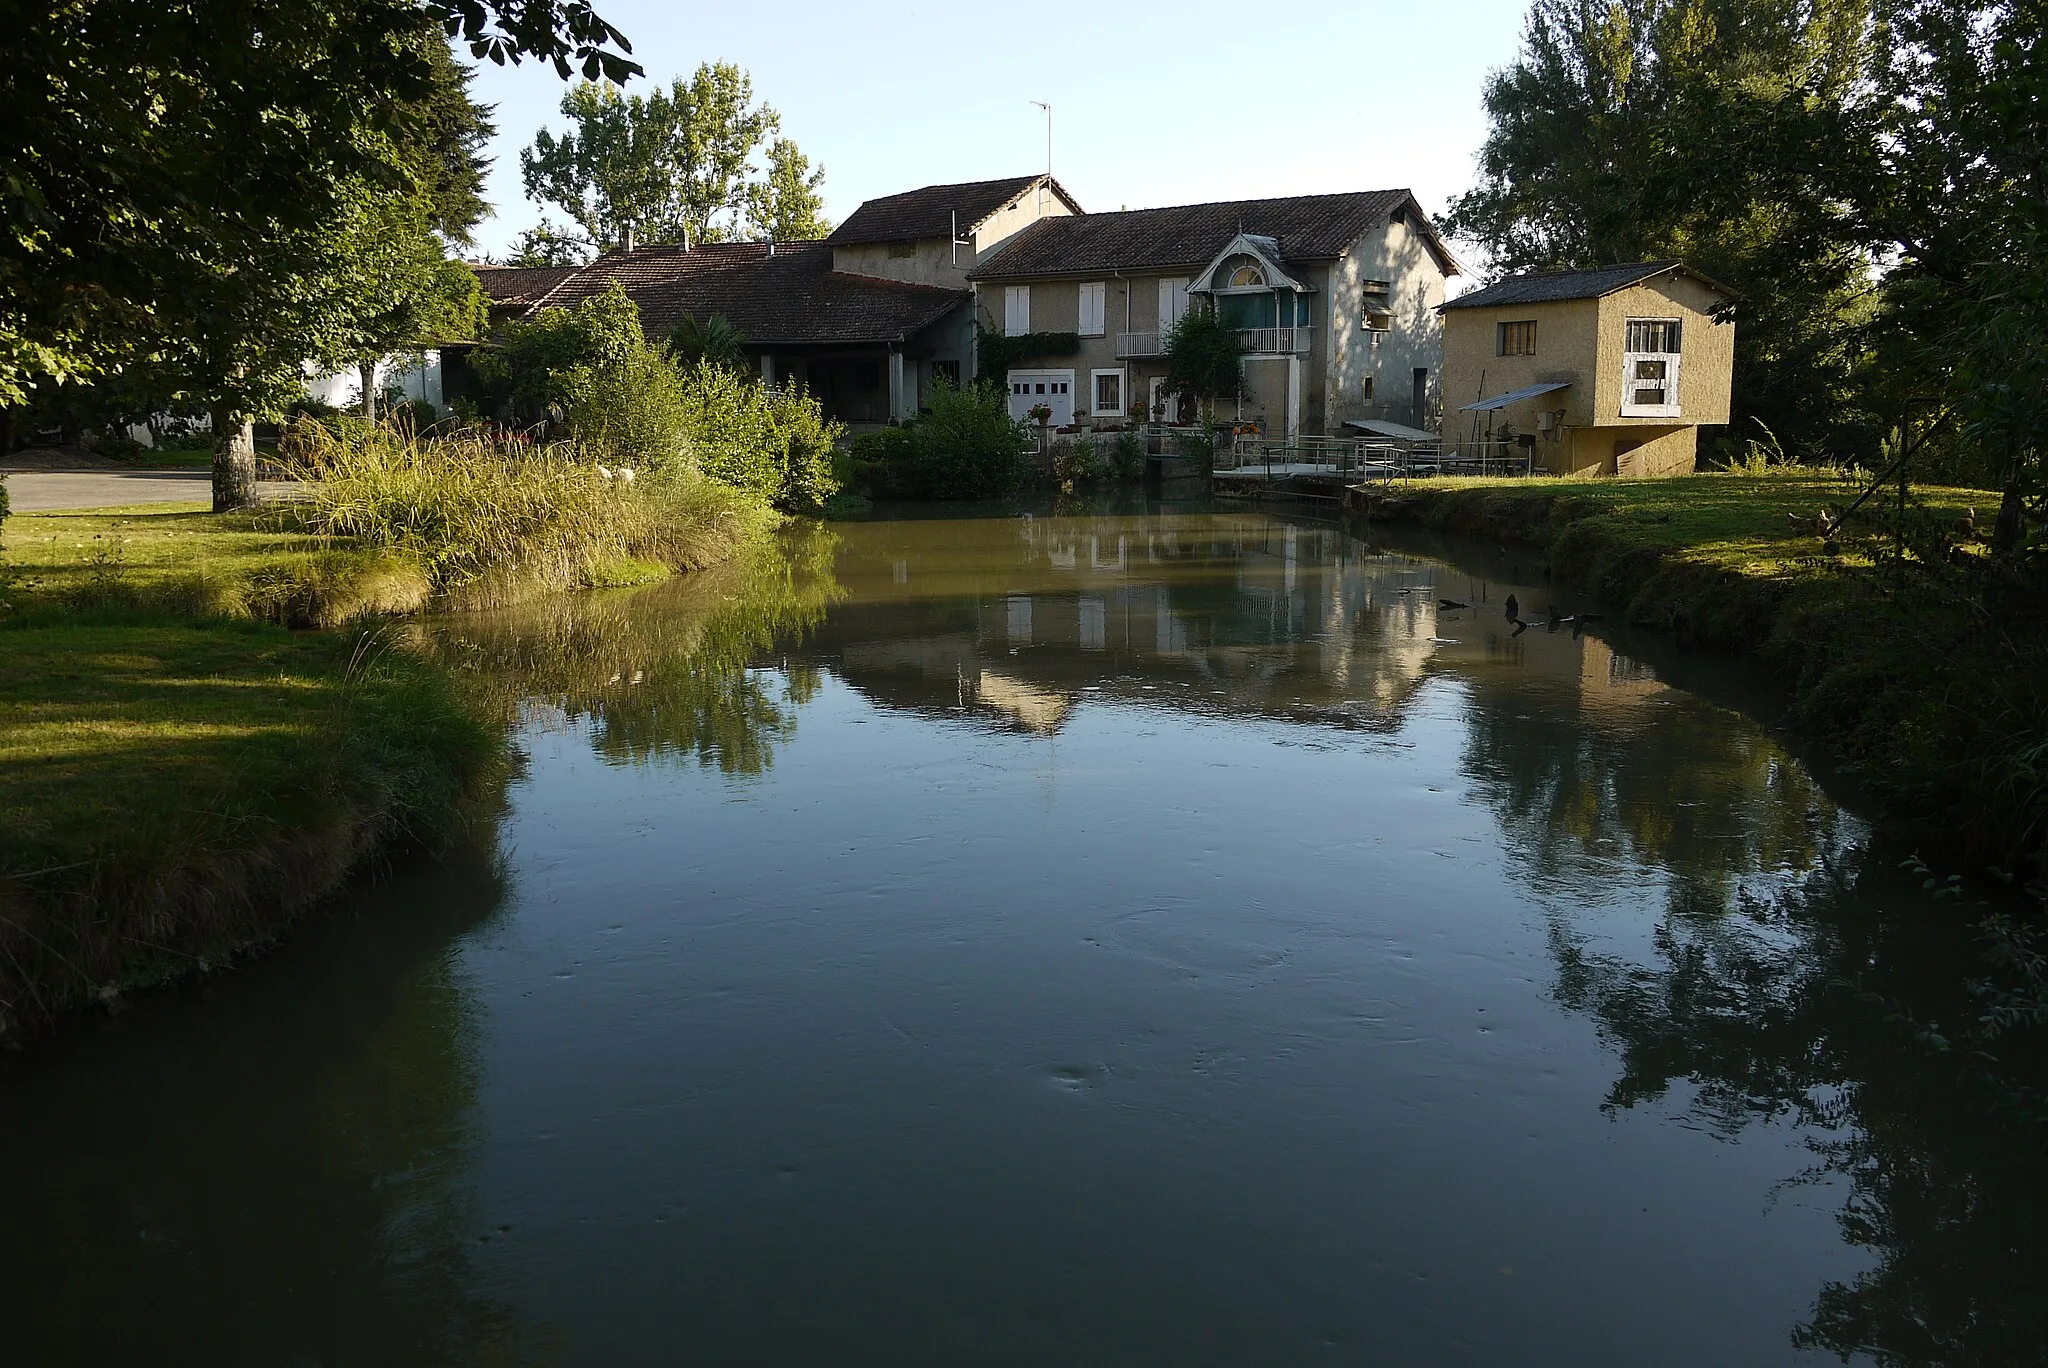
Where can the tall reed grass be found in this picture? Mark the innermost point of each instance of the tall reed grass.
(492, 516)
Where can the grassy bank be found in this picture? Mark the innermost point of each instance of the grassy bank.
(174, 791)
(184, 767)
(1926, 672)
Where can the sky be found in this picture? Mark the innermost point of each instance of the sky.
(1152, 104)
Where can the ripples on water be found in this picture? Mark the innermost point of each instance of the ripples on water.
(1174, 939)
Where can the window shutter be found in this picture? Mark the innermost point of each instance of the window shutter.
(1173, 301)
(1092, 300)
(1016, 310)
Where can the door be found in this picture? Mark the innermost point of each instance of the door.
(1158, 401)
(1053, 388)
(1420, 399)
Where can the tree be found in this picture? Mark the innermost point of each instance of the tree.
(1740, 135)
(534, 358)
(671, 166)
(1202, 357)
(712, 341)
(186, 220)
(546, 245)
(786, 206)
(1965, 210)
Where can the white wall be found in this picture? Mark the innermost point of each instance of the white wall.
(419, 379)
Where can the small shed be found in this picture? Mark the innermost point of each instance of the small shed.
(1609, 371)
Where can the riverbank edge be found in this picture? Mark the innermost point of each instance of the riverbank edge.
(1931, 721)
(402, 760)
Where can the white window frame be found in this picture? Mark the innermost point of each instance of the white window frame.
(1092, 307)
(1094, 390)
(1629, 360)
(1016, 310)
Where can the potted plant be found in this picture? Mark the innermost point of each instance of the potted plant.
(1040, 413)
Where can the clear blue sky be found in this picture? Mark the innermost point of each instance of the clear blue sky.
(1152, 105)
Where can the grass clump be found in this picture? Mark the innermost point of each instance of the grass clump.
(489, 519)
(1911, 652)
(173, 791)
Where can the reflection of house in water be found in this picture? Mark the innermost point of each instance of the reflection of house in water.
(1015, 622)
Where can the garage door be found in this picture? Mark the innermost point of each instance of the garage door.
(1053, 388)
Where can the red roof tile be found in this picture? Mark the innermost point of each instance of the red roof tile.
(932, 211)
(790, 295)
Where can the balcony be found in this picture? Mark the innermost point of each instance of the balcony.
(1257, 342)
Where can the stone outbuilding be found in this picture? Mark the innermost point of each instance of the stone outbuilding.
(1609, 371)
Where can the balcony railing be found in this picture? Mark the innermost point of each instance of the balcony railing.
(1257, 342)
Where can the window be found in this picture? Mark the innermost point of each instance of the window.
(1247, 277)
(948, 371)
(1109, 393)
(1649, 368)
(1016, 310)
(1516, 339)
(1093, 296)
(1365, 389)
(1378, 320)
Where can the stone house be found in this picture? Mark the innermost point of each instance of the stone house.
(1335, 297)
(1610, 371)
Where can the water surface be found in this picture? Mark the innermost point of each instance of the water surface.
(1152, 940)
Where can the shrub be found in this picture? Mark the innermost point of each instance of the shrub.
(630, 413)
(773, 442)
(968, 446)
(532, 364)
(1074, 463)
(1127, 457)
(712, 339)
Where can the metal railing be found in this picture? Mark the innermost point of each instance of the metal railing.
(1370, 458)
(1141, 344)
(1272, 341)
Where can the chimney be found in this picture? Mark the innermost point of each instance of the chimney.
(629, 237)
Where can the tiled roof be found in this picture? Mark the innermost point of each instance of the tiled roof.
(519, 284)
(1550, 287)
(1307, 227)
(788, 295)
(931, 212)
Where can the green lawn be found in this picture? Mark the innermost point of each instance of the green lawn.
(1738, 523)
(181, 558)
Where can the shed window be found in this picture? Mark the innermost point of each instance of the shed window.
(1516, 339)
(1649, 368)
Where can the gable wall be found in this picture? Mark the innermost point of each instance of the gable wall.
(1399, 254)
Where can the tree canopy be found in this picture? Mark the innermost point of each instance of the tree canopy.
(674, 165)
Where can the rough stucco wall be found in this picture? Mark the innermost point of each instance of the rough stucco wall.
(1706, 367)
(1012, 219)
(1567, 341)
(1396, 253)
(932, 263)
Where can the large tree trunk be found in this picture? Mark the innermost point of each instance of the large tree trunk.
(366, 372)
(2012, 511)
(234, 460)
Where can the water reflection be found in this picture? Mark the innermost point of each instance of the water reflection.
(275, 1168)
(663, 672)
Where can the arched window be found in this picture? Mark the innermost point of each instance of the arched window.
(1247, 276)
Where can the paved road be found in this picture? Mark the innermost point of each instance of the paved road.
(37, 491)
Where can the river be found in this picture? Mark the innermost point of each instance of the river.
(1153, 939)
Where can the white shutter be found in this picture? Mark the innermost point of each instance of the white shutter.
(1016, 310)
(1173, 301)
(1093, 298)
